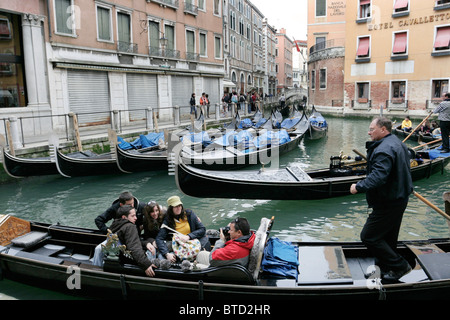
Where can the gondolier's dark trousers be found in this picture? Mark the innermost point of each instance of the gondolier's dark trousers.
(445, 131)
(380, 235)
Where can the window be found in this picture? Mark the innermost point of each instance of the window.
(153, 31)
(400, 41)
(323, 78)
(217, 7)
(12, 71)
(442, 40)
(401, 6)
(313, 79)
(321, 8)
(439, 88)
(124, 32)
(364, 9)
(362, 93)
(217, 48)
(398, 91)
(203, 44)
(64, 17)
(104, 24)
(363, 50)
(190, 41)
(201, 5)
(169, 33)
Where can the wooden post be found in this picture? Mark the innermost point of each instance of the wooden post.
(77, 132)
(155, 121)
(10, 139)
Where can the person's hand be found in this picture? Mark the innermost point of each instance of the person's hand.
(149, 272)
(353, 189)
(222, 236)
(184, 238)
(151, 248)
(171, 257)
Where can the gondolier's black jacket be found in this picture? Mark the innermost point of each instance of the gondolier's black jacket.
(388, 180)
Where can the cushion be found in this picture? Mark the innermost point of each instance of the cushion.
(29, 239)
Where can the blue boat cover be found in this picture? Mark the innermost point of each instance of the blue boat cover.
(318, 121)
(289, 123)
(260, 122)
(280, 258)
(202, 137)
(436, 153)
(266, 138)
(245, 124)
(144, 141)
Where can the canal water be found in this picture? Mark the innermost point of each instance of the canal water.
(77, 201)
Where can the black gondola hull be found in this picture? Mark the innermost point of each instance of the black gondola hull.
(210, 184)
(139, 162)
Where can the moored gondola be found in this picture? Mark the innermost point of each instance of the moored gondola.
(85, 163)
(318, 125)
(244, 148)
(20, 167)
(292, 182)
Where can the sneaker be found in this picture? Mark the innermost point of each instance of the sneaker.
(394, 276)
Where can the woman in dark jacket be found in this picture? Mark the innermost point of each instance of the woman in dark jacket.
(183, 221)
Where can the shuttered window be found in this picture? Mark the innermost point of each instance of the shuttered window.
(89, 96)
(142, 91)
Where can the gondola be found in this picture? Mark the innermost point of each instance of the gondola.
(292, 182)
(19, 167)
(228, 153)
(86, 163)
(416, 136)
(58, 258)
(141, 160)
(318, 125)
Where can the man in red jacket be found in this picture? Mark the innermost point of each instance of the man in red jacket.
(234, 251)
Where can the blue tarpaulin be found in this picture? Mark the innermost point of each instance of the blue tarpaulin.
(144, 141)
(266, 138)
(200, 137)
(289, 123)
(281, 258)
(245, 124)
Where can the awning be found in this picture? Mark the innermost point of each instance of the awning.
(363, 47)
(364, 2)
(442, 38)
(400, 43)
(228, 83)
(400, 4)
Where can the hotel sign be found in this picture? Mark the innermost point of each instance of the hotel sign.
(410, 22)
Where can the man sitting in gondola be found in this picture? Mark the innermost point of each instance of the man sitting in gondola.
(125, 198)
(125, 228)
(234, 250)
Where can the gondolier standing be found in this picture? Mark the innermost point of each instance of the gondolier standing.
(387, 185)
(444, 121)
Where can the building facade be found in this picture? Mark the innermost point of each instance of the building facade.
(284, 61)
(326, 52)
(397, 54)
(300, 64)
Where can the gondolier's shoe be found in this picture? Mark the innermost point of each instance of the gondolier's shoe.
(394, 276)
(445, 151)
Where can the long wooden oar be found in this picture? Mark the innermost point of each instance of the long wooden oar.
(442, 213)
(418, 126)
(425, 144)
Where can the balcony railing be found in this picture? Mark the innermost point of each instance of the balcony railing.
(166, 53)
(190, 8)
(127, 47)
(169, 3)
(327, 44)
(192, 56)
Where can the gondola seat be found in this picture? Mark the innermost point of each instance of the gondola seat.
(29, 239)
